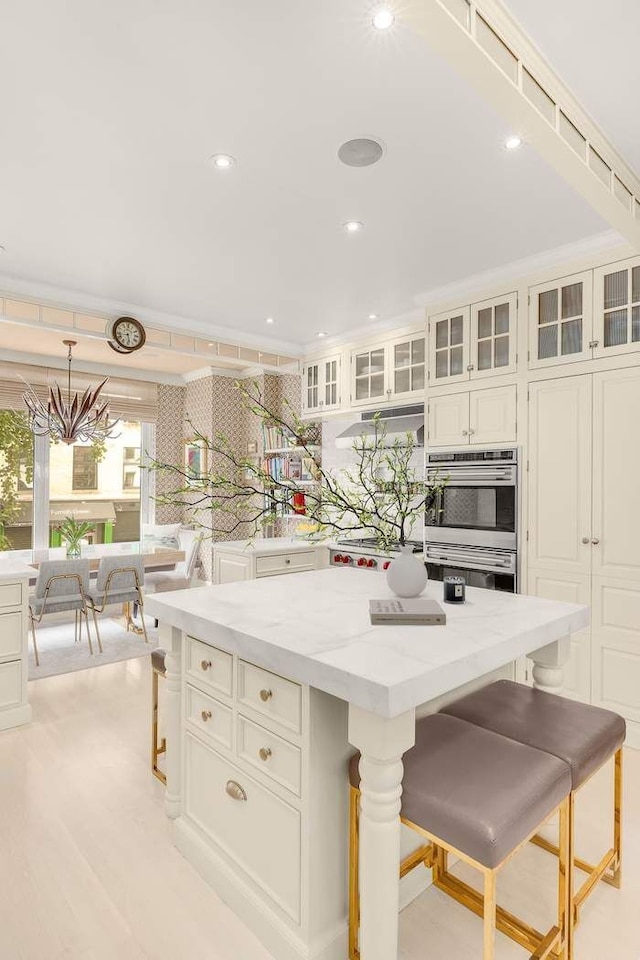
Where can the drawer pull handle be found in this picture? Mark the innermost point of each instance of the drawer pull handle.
(264, 753)
(235, 791)
(206, 715)
(266, 695)
(287, 560)
(206, 664)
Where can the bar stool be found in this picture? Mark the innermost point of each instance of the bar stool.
(584, 737)
(479, 796)
(158, 669)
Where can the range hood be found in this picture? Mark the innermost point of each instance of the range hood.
(398, 422)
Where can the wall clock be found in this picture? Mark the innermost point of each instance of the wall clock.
(127, 335)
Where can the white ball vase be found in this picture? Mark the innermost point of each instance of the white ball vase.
(407, 574)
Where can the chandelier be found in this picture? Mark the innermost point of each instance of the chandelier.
(78, 417)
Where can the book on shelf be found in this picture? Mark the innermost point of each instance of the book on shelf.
(407, 610)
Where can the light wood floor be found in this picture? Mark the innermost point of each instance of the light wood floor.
(88, 871)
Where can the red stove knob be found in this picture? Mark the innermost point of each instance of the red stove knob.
(362, 562)
(386, 564)
(337, 558)
(371, 563)
(347, 559)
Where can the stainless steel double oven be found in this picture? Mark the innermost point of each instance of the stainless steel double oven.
(473, 532)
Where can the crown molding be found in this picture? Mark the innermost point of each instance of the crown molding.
(368, 331)
(88, 366)
(82, 302)
(559, 259)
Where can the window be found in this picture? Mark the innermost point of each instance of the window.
(131, 468)
(16, 481)
(85, 469)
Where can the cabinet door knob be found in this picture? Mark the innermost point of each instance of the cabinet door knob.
(206, 715)
(465, 433)
(585, 540)
(471, 431)
(206, 664)
(266, 695)
(287, 560)
(470, 366)
(264, 753)
(235, 791)
(595, 541)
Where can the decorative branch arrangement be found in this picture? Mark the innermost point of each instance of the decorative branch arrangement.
(381, 496)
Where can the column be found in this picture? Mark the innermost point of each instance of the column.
(381, 742)
(548, 664)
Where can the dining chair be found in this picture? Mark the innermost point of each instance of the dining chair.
(161, 581)
(119, 581)
(61, 585)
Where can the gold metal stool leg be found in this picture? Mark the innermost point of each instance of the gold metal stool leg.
(156, 748)
(35, 642)
(489, 916)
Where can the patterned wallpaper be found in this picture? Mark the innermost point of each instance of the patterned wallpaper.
(212, 404)
(169, 440)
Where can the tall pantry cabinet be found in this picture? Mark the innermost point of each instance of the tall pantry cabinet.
(584, 524)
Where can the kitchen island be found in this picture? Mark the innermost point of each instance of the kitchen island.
(270, 685)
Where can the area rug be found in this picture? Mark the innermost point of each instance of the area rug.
(59, 653)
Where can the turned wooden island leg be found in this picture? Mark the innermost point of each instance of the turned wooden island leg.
(381, 742)
(171, 641)
(548, 665)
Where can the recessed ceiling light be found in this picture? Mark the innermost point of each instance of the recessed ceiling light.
(222, 161)
(269, 320)
(211, 344)
(353, 226)
(322, 333)
(373, 316)
(512, 143)
(382, 17)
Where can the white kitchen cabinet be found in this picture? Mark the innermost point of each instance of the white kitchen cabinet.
(616, 475)
(559, 515)
(617, 308)
(14, 659)
(560, 320)
(484, 417)
(238, 560)
(493, 337)
(449, 335)
(584, 525)
(321, 385)
(406, 359)
(388, 372)
(473, 342)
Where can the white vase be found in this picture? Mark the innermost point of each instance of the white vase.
(407, 574)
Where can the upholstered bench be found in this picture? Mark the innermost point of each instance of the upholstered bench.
(584, 737)
(480, 796)
(158, 669)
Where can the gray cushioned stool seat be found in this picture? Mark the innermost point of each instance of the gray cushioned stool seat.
(478, 791)
(158, 660)
(581, 735)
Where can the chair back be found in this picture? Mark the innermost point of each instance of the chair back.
(68, 572)
(119, 574)
(189, 541)
(160, 534)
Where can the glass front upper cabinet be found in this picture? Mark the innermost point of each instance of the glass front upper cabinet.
(408, 366)
(449, 346)
(493, 336)
(368, 375)
(617, 308)
(560, 321)
(321, 385)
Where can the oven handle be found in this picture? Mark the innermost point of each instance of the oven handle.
(482, 479)
(458, 558)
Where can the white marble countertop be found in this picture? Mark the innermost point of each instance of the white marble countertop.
(314, 627)
(267, 545)
(14, 570)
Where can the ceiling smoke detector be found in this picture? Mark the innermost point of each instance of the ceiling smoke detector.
(361, 152)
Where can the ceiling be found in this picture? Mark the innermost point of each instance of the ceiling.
(594, 49)
(115, 108)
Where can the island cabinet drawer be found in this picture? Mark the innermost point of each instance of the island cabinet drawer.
(209, 666)
(11, 594)
(270, 754)
(258, 831)
(209, 715)
(10, 684)
(10, 635)
(285, 563)
(270, 695)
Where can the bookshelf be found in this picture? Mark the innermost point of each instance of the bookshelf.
(292, 465)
